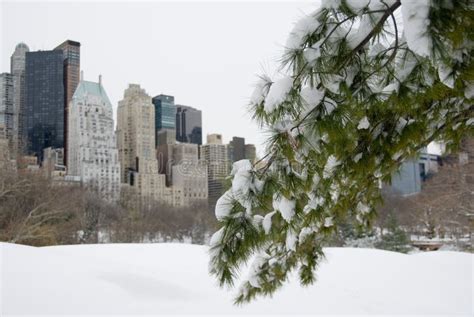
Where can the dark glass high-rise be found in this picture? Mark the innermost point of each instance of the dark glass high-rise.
(44, 111)
(165, 114)
(188, 125)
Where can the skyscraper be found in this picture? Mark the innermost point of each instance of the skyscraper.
(44, 111)
(216, 156)
(136, 143)
(250, 153)
(188, 125)
(214, 138)
(165, 114)
(6, 110)
(17, 69)
(71, 71)
(92, 149)
(237, 147)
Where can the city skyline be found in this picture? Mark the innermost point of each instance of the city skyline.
(70, 131)
(211, 67)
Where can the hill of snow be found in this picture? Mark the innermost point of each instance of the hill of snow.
(137, 279)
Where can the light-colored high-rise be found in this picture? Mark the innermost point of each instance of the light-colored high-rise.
(136, 143)
(6, 110)
(92, 149)
(186, 175)
(189, 173)
(216, 156)
(17, 69)
(4, 151)
(214, 138)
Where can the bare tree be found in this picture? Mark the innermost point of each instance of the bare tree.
(32, 210)
(445, 206)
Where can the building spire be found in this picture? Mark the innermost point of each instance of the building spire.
(82, 75)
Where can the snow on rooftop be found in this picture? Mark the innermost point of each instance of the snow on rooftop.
(137, 279)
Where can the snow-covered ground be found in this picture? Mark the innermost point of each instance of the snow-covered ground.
(139, 279)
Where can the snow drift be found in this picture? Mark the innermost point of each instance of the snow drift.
(140, 279)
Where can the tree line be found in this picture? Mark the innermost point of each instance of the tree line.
(35, 210)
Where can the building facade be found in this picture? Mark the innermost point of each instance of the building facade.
(4, 151)
(191, 178)
(53, 162)
(71, 75)
(164, 155)
(93, 154)
(414, 172)
(165, 114)
(174, 154)
(216, 156)
(44, 107)
(136, 144)
(186, 175)
(188, 125)
(166, 137)
(250, 153)
(173, 196)
(17, 69)
(237, 148)
(407, 180)
(7, 114)
(214, 138)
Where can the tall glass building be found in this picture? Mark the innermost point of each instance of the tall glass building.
(188, 125)
(44, 107)
(165, 114)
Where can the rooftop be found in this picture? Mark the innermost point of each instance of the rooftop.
(91, 88)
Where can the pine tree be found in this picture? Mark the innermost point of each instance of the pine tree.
(363, 91)
(396, 239)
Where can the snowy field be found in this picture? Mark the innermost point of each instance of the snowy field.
(138, 279)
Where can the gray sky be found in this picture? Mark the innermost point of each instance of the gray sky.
(206, 54)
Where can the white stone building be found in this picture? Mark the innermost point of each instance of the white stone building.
(92, 150)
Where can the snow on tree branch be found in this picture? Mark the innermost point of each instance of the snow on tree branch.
(363, 91)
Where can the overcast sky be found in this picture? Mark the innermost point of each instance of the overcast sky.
(206, 54)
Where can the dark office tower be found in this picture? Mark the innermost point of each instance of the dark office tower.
(165, 114)
(237, 148)
(44, 111)
(188, 125)
(17, 69)
(71, 62)
(250, 152)
(6, 110)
